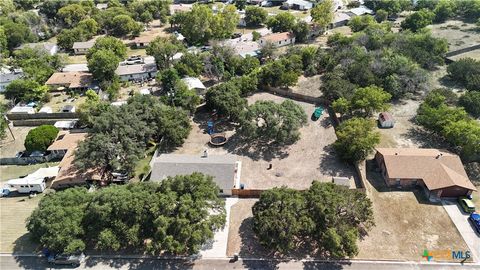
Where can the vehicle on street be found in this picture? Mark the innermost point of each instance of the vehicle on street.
(466, 204)
(67, 259)
(475, 219)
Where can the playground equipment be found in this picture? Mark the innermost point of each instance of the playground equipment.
(218, 139)
(210, 128)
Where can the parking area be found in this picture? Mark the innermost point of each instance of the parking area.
(466, 229)
(313, 152)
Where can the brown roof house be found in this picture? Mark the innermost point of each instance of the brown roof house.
(71, 80)
(439, 172)
(278, 39)
(68, 175)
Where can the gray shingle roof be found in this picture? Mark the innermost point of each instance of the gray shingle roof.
(222, 168)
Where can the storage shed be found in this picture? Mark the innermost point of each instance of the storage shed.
(385, 120)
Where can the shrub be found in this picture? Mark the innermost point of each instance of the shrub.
(40, 138)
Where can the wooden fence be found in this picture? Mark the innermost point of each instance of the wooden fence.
(247, 193)
(26, 116)
(295, 96)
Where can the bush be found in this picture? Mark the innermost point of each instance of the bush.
(40, 138)
(467, 72)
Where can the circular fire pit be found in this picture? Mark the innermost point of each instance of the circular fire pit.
(218, 139)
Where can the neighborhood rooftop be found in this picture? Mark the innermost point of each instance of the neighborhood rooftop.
(275, 37)
(72, 79)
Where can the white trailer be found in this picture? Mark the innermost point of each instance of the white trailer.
(34, 182)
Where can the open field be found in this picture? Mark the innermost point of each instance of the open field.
(76, 59)
(406, 224)
(14, 235)
(458, 34)
(313, 151)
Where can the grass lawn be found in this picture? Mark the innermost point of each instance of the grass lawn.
(131, 52)
(57, 102)
(143, 166)
(8, 172)
(76, 59)
(14, 211)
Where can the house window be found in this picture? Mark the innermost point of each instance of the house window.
(279, 42)
(221, 190)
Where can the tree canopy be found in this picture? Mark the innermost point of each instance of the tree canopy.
(25, 91)
(183, 214)
(418, 20)
(255, 16)
(467, 72)
(326, 219)
(268, 122)
(322, 13)
(356, 139)
(163, 49)
(40, 138)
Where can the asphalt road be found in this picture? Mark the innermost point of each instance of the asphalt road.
(11, 263)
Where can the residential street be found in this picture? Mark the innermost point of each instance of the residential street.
(10, 262)
(460, 219)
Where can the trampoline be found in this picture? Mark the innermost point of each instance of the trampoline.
(218, 139)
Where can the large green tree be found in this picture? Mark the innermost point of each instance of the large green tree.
(322, 13)
(163, 49)
(226, 99)
(183, 213)
(102, 64)
(255, 16)
(467, 72)
(282, 22)
(326, 216)
(25, 91)
(370, 99)
(356, 139)
(471, 102)
(418, 20)
(72, 14)
(112, 44)
(268, 122)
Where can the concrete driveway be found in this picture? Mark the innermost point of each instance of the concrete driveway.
(460, 219)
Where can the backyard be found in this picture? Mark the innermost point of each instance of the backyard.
(313, 152)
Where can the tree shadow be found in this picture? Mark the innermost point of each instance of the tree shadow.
(312, 265)
(425, 138)
(24, 245)
(202, 116)
(141, 264)
(330, 164)
(255, 150)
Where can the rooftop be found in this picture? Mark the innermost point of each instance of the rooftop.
(437, 168)
(83, 45)
(71, 79)
(275, 37)
(193, 83)
(221, 167)
(136, 69)
(67, 140)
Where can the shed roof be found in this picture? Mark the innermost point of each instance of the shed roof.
(36, 177)
(83, 45)
(221, 168)
(22, 109)
(437, 168)
(193, 83)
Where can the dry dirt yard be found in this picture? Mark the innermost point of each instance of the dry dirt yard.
(406, 224)
(296, 166)
(13, 233)
(458, 34)
(309, 86)
(11, 146)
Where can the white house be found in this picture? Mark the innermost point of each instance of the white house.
(362, 10)
(340, 19)
(299, 4)
(50, 48)
(7, 75)
(196, 84)
(278, 39)
(75, 68)
(137, 72)
(82, 47)
(225, 169)
(34, 182)
(45, 109)
(22, 110)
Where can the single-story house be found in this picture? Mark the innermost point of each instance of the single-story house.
(71, 80)
(339, 19)
(195, 84)
(385, 120)
(137, 72)
(224, 169)
(7, 75)
(69, 174)
(34, 182)
(278, 39)
(82, 47)
(142, 42)
(22, 110)
(299, 4)
(48, 47)
(439, 172)
(75, 68)
(359, 11)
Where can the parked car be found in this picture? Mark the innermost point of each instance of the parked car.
(466, 204)
(475, 219)
(236, 35)
(67, 259)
